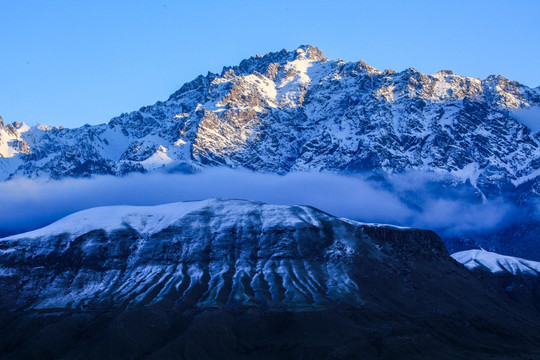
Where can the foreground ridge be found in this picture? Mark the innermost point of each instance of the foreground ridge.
(234, 278)
(232, 253)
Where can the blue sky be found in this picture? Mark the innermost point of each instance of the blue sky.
(75, 62)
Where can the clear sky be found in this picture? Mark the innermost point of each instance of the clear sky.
(75, 62)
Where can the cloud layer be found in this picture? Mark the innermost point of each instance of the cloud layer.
(410, 200)
(530, 117)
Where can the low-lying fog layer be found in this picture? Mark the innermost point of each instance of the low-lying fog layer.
(412, 199)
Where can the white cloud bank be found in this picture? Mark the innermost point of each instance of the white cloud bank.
(30, 204)
(530, 117)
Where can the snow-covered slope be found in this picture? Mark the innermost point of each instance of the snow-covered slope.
(149, 220)
(145, 220)
(298, 110)
(12, 145)
(231, 253)
(496, 263)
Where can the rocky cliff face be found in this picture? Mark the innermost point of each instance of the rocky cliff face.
(232, 278)
(298, 111)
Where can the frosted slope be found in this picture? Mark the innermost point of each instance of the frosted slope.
(496, 263)
(152, 219)
(143, 219)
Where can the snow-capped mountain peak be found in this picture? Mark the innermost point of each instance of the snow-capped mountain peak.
(299, 111)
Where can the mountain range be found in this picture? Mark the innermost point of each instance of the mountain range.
(298, 111)
(293, 111)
